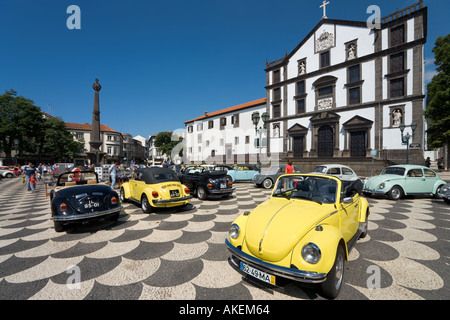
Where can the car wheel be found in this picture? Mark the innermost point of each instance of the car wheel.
(395, 193)
(145, 205)
(59, 227)
(122, 195)
(438, 191)
(201, 193)
(267, 183)
(447, 200)
(364, 226)
(332, 286)
(9, 175)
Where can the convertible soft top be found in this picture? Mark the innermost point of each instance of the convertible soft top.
(155, 175)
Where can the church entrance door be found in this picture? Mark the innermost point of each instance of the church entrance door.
(358, 144)
(325, 143)
(297, 144)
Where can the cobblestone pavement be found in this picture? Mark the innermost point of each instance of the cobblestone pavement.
(181, 254)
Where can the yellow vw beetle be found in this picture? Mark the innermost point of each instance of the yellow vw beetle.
(155, 188)
(304, 232)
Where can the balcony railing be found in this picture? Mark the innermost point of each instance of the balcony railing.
(404, 12)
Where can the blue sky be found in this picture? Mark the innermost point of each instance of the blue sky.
(161, 63)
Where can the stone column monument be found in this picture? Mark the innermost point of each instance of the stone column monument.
(95, 154)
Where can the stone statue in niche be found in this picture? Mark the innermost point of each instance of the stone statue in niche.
(397, 116)
(351, 51)
(301, 68)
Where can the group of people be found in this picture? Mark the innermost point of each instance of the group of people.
(29, 176)
(440, 163)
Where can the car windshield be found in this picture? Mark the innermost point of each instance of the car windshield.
(165, 176)
(317, 189)
(194, 170)
(394, 170)
(77, 177)
(272, 170)
(320, 169)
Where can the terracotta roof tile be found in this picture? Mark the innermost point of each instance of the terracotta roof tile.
(230, 109)
(87, 127)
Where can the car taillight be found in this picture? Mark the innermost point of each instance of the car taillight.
(155, 194)
(187, 191)
(230, 183)
(209, 185)
(63, 207)
(114, 200)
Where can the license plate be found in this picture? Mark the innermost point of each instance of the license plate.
(91, 203)
(258, 274)
(223, 185)
(174, 193)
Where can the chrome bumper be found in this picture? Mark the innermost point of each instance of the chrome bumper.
(172, 200)
(289, 273)
(221, 191)
(89, 215)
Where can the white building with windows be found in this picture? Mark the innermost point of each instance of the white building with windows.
(112, 141)
(343, 92)
(225, 136)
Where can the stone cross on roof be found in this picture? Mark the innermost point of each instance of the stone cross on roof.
(324, 6)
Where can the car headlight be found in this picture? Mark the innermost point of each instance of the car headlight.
(381, 186)
(311, 253)
(234, 231)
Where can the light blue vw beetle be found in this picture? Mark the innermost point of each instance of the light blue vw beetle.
(242, 172)
(400, 180)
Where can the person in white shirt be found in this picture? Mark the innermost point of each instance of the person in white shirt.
(113, 173)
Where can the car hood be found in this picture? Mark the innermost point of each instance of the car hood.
(374, 182)
(276, 226)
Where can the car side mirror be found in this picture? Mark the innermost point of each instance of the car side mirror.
(348, 200)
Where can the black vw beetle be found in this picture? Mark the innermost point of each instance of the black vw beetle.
(78, 197)
(204, 183)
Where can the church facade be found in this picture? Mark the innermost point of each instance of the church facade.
(344, 92)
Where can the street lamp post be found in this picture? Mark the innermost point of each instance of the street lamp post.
(405, 138)
(259, 131)
(16, 148)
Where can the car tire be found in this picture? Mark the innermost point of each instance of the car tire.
(267, 183)
(145, 204)
(59, 227)
(438, 190)
(9, 175)
(122, 195)
(395, 193)
(335, 278)
(447, 200)
(365, 226)
(201, 193)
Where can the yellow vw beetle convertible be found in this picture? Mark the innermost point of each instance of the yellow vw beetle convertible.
(155, 188)
(304, 232)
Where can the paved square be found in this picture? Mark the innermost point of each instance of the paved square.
(180, 254)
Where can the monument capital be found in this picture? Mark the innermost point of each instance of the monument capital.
(96, 86)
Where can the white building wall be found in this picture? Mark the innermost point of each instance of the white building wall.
(217, 139)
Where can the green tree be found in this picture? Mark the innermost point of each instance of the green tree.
(438, 99)
(19, 119)
(165, 143)
(58, 142)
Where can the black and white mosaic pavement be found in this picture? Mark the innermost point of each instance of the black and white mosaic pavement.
(180, 254)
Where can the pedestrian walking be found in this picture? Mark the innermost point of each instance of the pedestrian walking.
(32, 182)
(29, 170)
(289, 168)
(428, 162)
(113, 173)
(440, 164)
